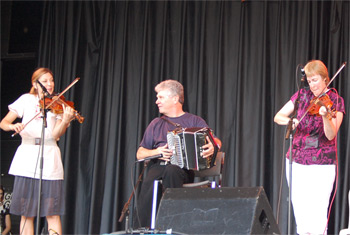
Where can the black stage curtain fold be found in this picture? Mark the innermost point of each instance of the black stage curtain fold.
(237, 61)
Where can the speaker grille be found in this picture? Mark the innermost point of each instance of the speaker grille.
(216, 211)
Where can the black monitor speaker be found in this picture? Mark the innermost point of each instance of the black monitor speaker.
(216, 211)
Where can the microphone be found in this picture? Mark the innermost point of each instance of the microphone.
(43, 88)
(302, 70)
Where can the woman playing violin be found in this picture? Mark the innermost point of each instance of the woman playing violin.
(25, 165)
(314, 150)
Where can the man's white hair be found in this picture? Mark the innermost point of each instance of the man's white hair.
(174, 87)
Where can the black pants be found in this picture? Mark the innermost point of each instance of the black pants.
(172, 177)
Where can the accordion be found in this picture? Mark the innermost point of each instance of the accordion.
(186, 144)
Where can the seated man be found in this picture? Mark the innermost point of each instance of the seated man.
(170, 99)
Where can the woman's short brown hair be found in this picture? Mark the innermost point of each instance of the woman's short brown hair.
(317, 67)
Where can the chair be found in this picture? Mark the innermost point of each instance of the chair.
(205, 178)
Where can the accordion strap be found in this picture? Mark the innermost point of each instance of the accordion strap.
(172, 123)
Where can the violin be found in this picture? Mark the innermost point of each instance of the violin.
(317, 102)
(56, 102)
(56, 106)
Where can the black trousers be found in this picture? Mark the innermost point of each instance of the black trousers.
(172, 177)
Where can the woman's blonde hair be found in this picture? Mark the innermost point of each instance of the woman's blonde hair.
(317, 67)
(36, 75)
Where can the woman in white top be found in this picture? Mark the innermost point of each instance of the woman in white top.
(25, 164)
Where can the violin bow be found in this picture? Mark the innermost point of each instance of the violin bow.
(64, 91)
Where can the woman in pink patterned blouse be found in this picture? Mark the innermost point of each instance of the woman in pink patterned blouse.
(314, 150)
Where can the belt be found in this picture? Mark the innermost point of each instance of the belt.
(37, 141)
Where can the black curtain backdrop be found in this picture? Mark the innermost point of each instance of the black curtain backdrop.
(237, 61)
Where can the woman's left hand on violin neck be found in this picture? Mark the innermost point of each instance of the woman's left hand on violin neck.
(68, 114)
(323, 111)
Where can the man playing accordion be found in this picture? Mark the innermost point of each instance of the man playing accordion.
(170, 99)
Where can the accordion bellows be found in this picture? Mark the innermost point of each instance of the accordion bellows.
(186, 144)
